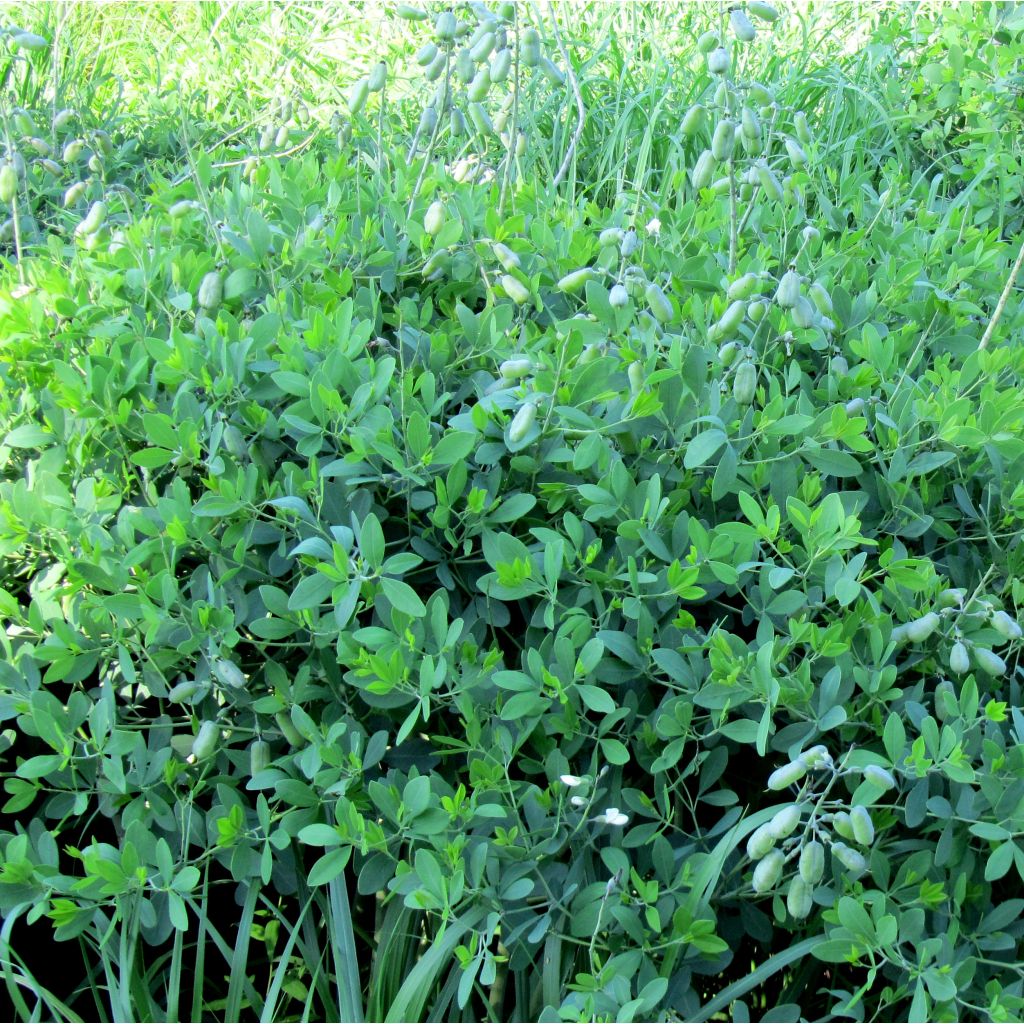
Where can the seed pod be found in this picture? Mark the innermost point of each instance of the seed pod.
(760, 842)
(731, 319)
(8, 184)
(720, 186)
(445, 26)
(211, 291)
(879, 776)
(743, 287)
(480, 120)
(281, 138)
(180, 692)
(793, 772)
(816, 757)
(799, 900)
(288, 730)
(30, 41)
(515, 289)
(480, 86)
(768, 871)
(426, 54)
(750, 124)
(744, 387)
(842, 824)
(573, 282)
(358, 95)
(433, 219)
(629, 244)
(854, 406)
(922, 628)
(821, 298)
(551, 71)
(259, 757)
(1005, 625)
(182, 207)
(803, 312)
(635, 373)
(812, 862)
(93, 220)
(589, 354)
(741, 25)
(785, 822)
(724, 139)
(810, 234)
(959, 660)
(521, 422)
(728, 352)
(410, 13)
(464, 67)
(989, 662)
(760, 95)
(854, 863)
(789, 290)
(457, 123)
(797, 157)
(206, 739)
(481, 49)
(514, 369)
(659, 303)
(800, 126)
(63, 118)
(756, 311)
(40, 146)
(722, 96)
(7, 230)
(378, 77)
(530, 52)
(618, 296)
(703, 169)
(74, 193)
(708, 41)
(769, 182)
(507, 11)
(501, 64)
(520, 143)
(839, 366)
(863, 826)
(951, 598)
(718, 61)
(506, 257)
(693, 120)
(610, 236)
(762, 10)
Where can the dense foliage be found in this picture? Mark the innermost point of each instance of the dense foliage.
(541, 542)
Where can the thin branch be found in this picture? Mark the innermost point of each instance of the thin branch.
(1001, 305)
(580, 109)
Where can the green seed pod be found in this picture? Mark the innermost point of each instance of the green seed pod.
(760, 842)
(854, 406)
(464, 67)
(507, 11)
(803, 312)
(514, 369)
(789, 290)
(281, 138)
(446, 26)
(731, 319)
(74, 193)
(762, 10)
(182, 691)
(728, 352)
(63, 118)
(522, 422)
(799, 900)
(40, 146)
(206, 740)
(428, 120)
(378, 77)
(589, 354)
(788, 774)
(744, 387)
(436, 267)
(842, 824)
(951, 598)
(743, 287)
(920, 629)
(785, 822)
(757, 310)
(520, 143)
(750, 123)
(288, 730)
(433, 219)
(821, 298)
(259, 757)
(720, 186)
(629, 244)
(810, 234)
(30, 41)
(408, 13)
(7, 230)
(506, 257)
(797, 157)
(482, 48)
(182, 208)
(8, 184)
(659, 303)
(812, 862)
(718, 61)
(879, 776)
(854, 863)
(553, 74)
(742, 27)
(1005, 625)
(724, 140)
(501, 64)
(989, 662)
(721, 99)
(457, 123)
(426, 54)
(267, 137)
(760, 95)
(515, 289)
(708, 41)
(839, 366)
(959, 659)
(480, 120)
(768, 871)
(703, 169)
(435, 68)
(211, 291)
(863, 826)
(530, 51)
(770, 183)
(93, 220)
(573, 282)
(816, 757)
(635, 373)
(693, 120)
(618, 296)
(358, 95)
(800, 126)
(611, 236)
(480, 86)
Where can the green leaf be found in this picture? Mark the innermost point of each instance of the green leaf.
(402, 597)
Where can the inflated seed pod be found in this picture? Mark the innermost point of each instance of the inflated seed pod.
(757, 310)
(408, 13)
(522, 422)
(457, 123)
(750, 124)
(797, 157)
(708, 41)
(428, 120)
(288, 730)
(863, 826)
(1005, 625)
(816, 757)
(853, 861)
(629, 243)
(211, 291)
(939, 699)
(951, 598)
(635, 374)
(63, 118)
(479, 87)
(480, 118)
(728, 352)
(515, 369)
(530, 49)
(839, 366)
(820, 297)
(693, 120)
(989, 662)
(742, 27)
(731, 319)
(920, 629)
(182, 208)
(74, 193)
(703, 170)
(501, 64)
(768, 871)
(762, 10)
(879, 776)
(377, 78)
(842, 824)
(8, 184)
(445, 26)
(743, 287)
(611, 236)
(719, 61)
(574, 281)
(800, 126)
(181, 692)
(506, 257)
(281, 138)
(760, 842)
(810, 234)
(40, 146)
(788, 293)
(433, 71)
(433, 219)
(482, 48)
(760, 94)
(515, 289)
(724, 140)
(785, 822)
(854, 407)
(812, 862)
(427, 54)
(803, 312)
(464, 67)
(799, 900)
(769, 182)
(205, 742)
(259, 757)
(788, 774)
(959, 659)
(744, 387)
(93, 220)
(618, 296)
(358, 95)
(659, 303)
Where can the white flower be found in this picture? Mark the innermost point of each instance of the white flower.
(572, 781)
(653, 226)
(578, 801)
(612, 816)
